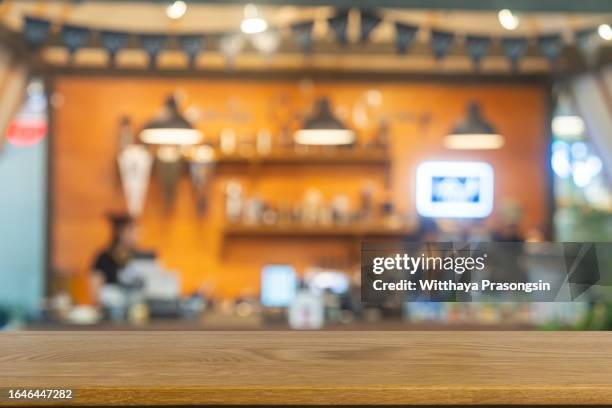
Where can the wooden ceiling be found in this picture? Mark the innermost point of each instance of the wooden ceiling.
(378, 54)
(143, 16)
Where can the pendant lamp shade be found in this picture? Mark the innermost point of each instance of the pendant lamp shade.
(169, 127)
(474, 133)
(323, 128)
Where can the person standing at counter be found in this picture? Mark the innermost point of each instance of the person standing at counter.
(120, 250)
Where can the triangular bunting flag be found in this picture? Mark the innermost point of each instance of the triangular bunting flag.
(477, 47)
(35, 31)
(587, 42)
(369, 21)
(75, 38)
(230, 46)
(514, 48)
(551, 47)
(441, 42)
(113, 42)
(192, 45)
(404, 36)
(153, 44)
(302, 34)
(266, 42)
(339, 24)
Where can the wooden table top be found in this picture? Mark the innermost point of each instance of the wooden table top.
(312, 367)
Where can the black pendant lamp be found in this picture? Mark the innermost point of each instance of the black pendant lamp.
(169, 127)
(323, 128)
(474, 133)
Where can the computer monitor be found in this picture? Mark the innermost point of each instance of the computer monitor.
(321, 280)
(454, 189)
(278, 285)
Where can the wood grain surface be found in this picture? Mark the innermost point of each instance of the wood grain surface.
(312, 367)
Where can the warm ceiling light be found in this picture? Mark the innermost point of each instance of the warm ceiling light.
(252, 22)
(568, 126)
(176, 9)
(605, 32)
(508, 19)
(474, 133)
(322, 128)
(170, 128)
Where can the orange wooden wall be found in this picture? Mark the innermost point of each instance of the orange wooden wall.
(85, 184)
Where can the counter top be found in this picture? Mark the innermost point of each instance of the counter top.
(311, 367)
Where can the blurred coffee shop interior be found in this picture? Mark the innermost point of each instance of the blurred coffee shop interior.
(216, 165)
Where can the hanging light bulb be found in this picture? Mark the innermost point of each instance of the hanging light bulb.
(176, 9)
(252, 23)
(605, 32)
(474, 133)
(169, 127)
(508, 19)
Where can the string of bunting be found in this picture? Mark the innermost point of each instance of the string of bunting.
(36, 32)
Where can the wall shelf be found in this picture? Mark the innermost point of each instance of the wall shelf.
(359, 156)
(314, 231)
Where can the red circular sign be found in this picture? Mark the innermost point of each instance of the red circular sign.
(26, 131)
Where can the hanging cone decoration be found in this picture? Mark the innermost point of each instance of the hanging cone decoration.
(515, 48)
(201, 169)
(168, 170)
(135, 164)
(404, 36)
(441, 42)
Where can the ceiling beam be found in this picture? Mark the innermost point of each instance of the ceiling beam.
(578, 6)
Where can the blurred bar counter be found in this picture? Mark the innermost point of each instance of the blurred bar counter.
(182, 325)
(217, 321)
(285, 368)
(481, 316)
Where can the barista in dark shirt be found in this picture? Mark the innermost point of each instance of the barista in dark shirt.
(122, 247)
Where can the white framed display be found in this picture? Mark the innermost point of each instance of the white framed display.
(278, 285)
(454, 189)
